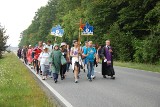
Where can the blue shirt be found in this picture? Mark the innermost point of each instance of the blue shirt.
(91, 52)
(84, 48)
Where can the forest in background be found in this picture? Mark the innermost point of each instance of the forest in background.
(133, 26)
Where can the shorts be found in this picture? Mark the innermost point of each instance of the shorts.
(35, 61)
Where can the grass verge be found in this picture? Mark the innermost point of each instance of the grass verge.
(147, 67)
(18, 87)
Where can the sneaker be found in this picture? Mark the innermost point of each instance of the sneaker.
(55, 81)
(43, 78)
(90, 80)
(93, 76)
(31, 67)
(76, 81)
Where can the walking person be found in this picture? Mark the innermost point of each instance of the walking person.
(99, 51)
(75, 60)
(107, 62)
(44, 62)
(65, 55)
(37, 50)
(55, 59)
(24, 52)
(19, 53)
(90, 54)
(33, 60)
(68, 58)
(84, 57)
(29, 55)
(50, 49)
(49, 46)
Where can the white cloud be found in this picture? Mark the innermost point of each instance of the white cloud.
(16, 16)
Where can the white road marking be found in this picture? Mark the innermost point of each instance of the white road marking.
(65, 102)
(62, 99)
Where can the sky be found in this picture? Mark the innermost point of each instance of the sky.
(17, 15)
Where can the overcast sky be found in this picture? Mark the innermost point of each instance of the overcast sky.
(16, 16)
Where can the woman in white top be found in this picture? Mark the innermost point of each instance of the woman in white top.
(44, 62)
(74, 53)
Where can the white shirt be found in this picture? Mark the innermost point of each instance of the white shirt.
(50, 48)
(44, 58)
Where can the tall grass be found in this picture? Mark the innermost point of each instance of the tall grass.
(18, 87)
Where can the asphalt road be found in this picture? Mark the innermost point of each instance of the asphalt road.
(131, 88)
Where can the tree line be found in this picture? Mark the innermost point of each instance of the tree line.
(133, 26)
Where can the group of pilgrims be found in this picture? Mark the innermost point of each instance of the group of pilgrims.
(51, 60)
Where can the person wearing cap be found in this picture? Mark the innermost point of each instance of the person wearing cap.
(29, 55)
(44, 62)
(55, 59)
(65, 55)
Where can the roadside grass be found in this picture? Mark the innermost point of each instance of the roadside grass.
(18, 87)
(147, 67)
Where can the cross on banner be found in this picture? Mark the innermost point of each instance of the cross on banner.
(57, 31)
(87, 30)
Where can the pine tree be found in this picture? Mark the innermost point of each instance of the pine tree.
(3, 40)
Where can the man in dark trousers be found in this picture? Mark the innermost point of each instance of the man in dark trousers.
(107, 61)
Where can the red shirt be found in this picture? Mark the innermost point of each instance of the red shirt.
(37, 51)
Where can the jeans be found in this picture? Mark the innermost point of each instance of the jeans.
(68, 65)
(50, 72)
(55, 76)
(90, 67)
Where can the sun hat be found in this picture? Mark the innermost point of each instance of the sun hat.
(62, 44)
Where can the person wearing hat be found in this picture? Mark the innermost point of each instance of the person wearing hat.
(66, 56)
(44, 62)
(55, 59)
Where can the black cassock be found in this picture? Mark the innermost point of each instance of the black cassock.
(107, 69)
